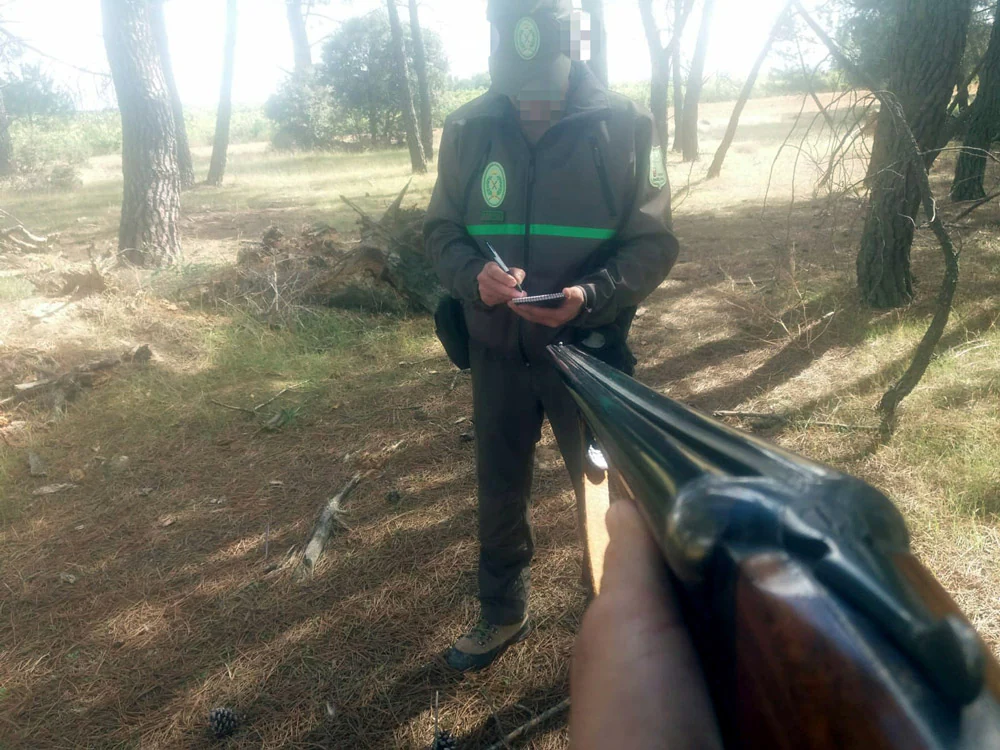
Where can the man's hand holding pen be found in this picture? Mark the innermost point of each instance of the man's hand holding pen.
(497, 287)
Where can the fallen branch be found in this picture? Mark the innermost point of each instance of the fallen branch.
(370, 223)
(279, 394)
(975, 205)
(251, 412)
(525, 728)
(328, 519)
(21, 239)
(254, 411)
(20, 229)
(79, 376)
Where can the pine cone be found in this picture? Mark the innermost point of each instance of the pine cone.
(223, 722)
(444, 741)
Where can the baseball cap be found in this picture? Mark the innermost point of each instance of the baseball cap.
(533, 43)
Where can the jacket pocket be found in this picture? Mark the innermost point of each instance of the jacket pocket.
(602, 175)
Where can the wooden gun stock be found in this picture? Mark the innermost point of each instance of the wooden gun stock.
(816, 626)
(809, 674)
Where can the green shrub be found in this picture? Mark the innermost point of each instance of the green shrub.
(304, 116)
(72, 139)
(451, 100)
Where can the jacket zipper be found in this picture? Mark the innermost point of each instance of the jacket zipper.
(527, 213)
(602, 173)
(527, 247)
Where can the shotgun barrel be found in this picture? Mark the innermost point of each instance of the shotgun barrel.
(815, 624)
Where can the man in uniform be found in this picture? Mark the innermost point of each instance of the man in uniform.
(565, 181)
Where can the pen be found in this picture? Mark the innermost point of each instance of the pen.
(499, 262)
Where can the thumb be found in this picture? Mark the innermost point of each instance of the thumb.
(518, 273)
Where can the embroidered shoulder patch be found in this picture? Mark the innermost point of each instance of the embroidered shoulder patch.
(657, 172)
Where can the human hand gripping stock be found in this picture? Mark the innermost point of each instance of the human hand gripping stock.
(636, 680)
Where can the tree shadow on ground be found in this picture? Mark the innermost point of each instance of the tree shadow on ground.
(175, 608)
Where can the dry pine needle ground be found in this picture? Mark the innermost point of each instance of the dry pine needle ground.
(159, 587)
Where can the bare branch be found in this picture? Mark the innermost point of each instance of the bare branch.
(976, 205)
(13, 39)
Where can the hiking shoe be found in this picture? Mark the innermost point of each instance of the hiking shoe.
(481, 646)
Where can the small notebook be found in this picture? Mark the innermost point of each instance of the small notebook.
(542, 300)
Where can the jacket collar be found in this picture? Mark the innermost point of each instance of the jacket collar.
(586, 94)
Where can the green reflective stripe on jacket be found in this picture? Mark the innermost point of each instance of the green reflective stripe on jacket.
(541, 230)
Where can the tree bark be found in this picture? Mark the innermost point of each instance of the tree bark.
(403, 85)
(6, 147)
(300, 38)
(675, 63)
(984, 126)
(660, 64)
(423, 84)
(926, 51)
(598, 63)
(185, 164)
(149, 232)
(220, 147)
(689, 117)
(734, 121)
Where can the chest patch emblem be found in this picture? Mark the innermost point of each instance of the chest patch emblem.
(527, 38)
(657, 172)
(494, 184)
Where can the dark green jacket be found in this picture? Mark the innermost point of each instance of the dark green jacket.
(583, 207)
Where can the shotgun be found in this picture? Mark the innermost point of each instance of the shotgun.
(816, 626)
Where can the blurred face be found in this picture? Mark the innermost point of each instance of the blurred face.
(530, 59)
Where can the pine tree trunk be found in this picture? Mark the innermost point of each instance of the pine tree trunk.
(221, 145)
(675, 64)
(926, 51)
(598, 40)
(423, 84)
(403, 86)
(149, 232)
(689, 117)
(300, 38)
(734, 122)
(660, 79)
(984, 126)
(185, 164)
(6, 147)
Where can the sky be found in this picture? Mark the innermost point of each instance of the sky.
(70, 30)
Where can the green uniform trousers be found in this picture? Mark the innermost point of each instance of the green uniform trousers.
(510, 400)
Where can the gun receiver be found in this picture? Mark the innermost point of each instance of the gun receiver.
(816, 625)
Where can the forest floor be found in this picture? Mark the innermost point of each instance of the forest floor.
(154, 588)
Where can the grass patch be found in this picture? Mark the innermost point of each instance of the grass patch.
(13, 289)
(241, 363)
